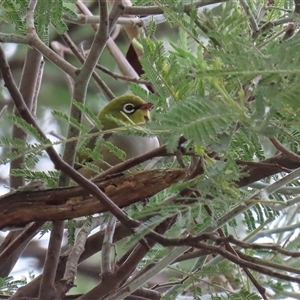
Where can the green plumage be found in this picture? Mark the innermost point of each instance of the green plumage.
(128, 109)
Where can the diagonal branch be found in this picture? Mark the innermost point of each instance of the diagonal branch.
(123, 64)
(109, 94)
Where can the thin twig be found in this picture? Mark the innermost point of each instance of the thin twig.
(126, 289)
(271, 24)
(250, 15)
(14, 38)
(3, 109)
(27, 234)
(290, 154)
(77, 250)
(230, 249)
(262, 164)
(110, 283)
(116, 11)
(30, 17)
(122, 77)
(268, 263)
(82, 79)
(100, 40)
(60, 50)
(284, 30)
(192, 240)
(106, 90)
(106, 260)
(47, 290)
(132, 162)
(124, 66)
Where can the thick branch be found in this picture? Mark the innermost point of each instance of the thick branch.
(257, 172)
(21, 207)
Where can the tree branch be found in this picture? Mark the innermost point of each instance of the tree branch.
(106, 261)
(21, 207)
(156, 10)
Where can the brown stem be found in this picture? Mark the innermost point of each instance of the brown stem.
(21, 207)
(47, 288)
(290, 154)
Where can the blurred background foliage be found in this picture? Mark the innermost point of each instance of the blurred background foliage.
(228, 79)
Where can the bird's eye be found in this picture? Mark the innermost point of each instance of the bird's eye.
(129, 108)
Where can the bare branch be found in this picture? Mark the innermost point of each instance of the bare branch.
(13, 245)
(106, 90)
(290, 154)
(106, 261)
(156, 10)
(124, 66)
(72, 262)
(14, 38)
(71, 202)
(251, 17)
(47, 288)
(30, 17)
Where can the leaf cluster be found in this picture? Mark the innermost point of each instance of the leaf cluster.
(47, 13)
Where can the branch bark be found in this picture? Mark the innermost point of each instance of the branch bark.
(21, 207)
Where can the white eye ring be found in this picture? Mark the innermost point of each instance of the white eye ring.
(129, 108)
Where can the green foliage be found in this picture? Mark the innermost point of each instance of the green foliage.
(89, 114)
(153, 256)
(64, 117)
(226, 91)
(8, 285)
(46, 13)
(49, 179)
(46, 228)
(28, 128)
(151, 28)
(241, 295)
(71, 229)
(200, 120)
(31, 151)
(211, 107)
(115, 150)
(86, 154)
(244, 145)
(14, 13)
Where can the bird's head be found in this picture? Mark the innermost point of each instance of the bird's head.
(124, 108)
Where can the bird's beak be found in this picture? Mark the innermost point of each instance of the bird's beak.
(145, 108)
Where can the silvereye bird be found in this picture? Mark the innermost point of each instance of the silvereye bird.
(129, 109)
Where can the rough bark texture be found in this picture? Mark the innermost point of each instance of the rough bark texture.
(21, 207)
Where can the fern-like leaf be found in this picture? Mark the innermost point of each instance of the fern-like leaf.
(199, 120)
